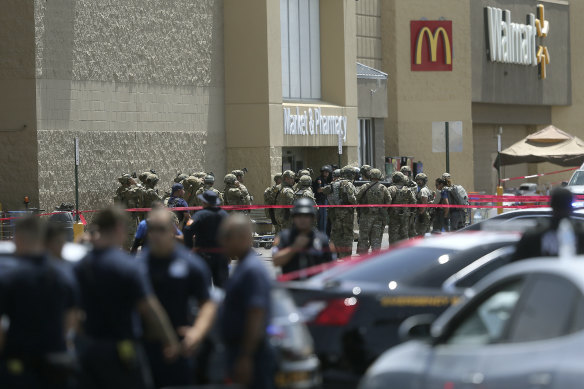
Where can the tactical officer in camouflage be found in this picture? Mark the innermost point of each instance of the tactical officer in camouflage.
(300, 173)
(342, 228)
(239, 174)
(373, 219)
(208, 183)
(151, 194)
(304, 189)
(233, 194)
(129, 196)
(192, 184)
(424, 196)
(399, 217)
(285, 197)
(270, 199)
(410, 183)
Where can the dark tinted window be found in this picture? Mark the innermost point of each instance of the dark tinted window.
(415, 266)
(545, 311)
(577, 178)
(480, 273)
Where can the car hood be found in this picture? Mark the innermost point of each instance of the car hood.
(410, 356)
(576, 189)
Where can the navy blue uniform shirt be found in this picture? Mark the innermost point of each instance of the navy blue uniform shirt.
(205, 227)
(178, 202)
(248, 287)
(111, 283)
(316, 252)
(177, 279)
(35, 295)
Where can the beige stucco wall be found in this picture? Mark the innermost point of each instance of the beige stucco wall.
(139, 82)
(416, 99)
(369, 50)
(18, 144)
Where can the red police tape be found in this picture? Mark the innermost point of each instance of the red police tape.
(542, 200)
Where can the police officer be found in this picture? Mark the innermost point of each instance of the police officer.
(246, 310)
(202, 236)
(324, 179)
(151, 194)
(342, 230)
(423, 196)
(301, 246)
(113, 288)
(373, 219)
(239, 175)
(191, 185)
(299, 174)
(270, 195)
(38, 298)
(176, 200)
(399, 217)
(208, 183)
(441, 215)
(411, 184)
(285, 197)
(304, 189)
(233, 194)
(177, 276)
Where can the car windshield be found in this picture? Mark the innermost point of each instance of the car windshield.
(577, 178)
(420, 266)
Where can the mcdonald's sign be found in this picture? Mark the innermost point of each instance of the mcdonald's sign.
(431, 45)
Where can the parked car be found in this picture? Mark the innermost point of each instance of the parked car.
(354, 310)
(522, 328)
(518, 219)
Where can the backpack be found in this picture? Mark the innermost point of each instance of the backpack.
(335, 198)
(457, 195)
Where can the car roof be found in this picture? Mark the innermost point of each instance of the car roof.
(468, 239)
(570, 268)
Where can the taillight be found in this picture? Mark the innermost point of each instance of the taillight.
(338, 312)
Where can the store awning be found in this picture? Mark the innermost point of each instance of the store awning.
(548, 145)
(367, 72)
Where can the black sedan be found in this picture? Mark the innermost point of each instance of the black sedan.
(354, 310)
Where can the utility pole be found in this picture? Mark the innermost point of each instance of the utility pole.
(77, 179)
(447, 136)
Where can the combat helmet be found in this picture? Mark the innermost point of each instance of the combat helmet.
(305, 181)
(375, 174)
(421, 177)
(398, 178)
(406, 170)
(230, 179)
(180, 177)
(209, 180)
(152, 179)
(347, 172)
(336, 173)
(201, 175)
(288, 174)
(326, 168)
(277, 177)
(143, 177)
(303, 172)
(124, 179)
(365, 171)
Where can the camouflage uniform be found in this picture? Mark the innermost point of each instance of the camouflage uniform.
(192, 184)
(129, 195)
(151, 194)
(344, 218)
(331, 191)
(284, 197)
(366, 172)
(208, 183)
(232, 194)
(399, 217)
(423, 218)
(270, 199)
(411, 184)
(304, 189)
(372, 220)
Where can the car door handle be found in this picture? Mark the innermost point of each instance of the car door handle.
(540, 379)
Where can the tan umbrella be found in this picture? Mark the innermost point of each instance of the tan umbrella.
(548, 145)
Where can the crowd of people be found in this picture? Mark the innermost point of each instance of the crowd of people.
(365, 186)
(113, 320)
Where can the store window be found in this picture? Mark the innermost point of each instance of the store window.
(300, 25)
(366, 141)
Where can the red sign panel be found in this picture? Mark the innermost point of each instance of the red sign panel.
(431, 42)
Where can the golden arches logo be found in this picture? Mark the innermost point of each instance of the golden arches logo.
(433, 44)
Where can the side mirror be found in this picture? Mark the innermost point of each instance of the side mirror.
(417, 327)
(564, 184)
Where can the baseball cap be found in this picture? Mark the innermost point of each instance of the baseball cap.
(209, 197)
(176, 187)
